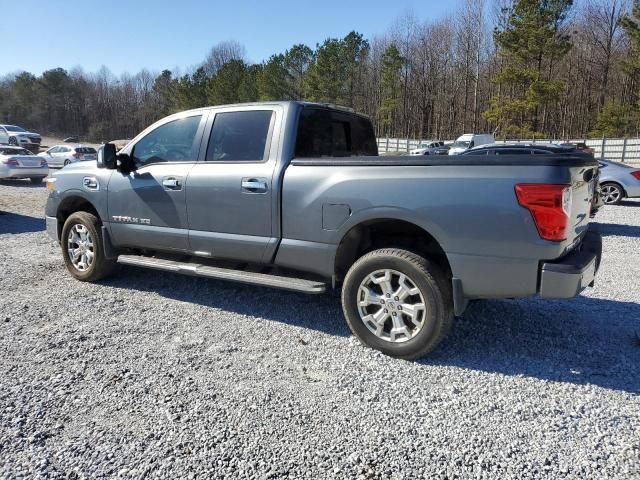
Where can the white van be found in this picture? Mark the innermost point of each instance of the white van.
(470, 140)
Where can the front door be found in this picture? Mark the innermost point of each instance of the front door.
(229, 194)
(147, 207)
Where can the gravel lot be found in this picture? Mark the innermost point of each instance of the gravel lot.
(158, 375)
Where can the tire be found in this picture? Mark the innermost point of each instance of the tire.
(429, 286)
(66, 162)
(611, 193)
(36, 180)
(98, 267)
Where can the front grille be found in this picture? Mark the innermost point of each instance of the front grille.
(35, 140)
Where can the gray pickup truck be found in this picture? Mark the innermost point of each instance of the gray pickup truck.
(293, 195)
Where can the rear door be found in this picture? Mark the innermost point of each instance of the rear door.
(229, 193)
(147, 207)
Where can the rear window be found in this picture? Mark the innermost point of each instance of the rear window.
(329, 133)
(86, 150)
(14, 151)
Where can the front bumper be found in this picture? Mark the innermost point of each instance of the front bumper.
(567, 277)
(52, 228)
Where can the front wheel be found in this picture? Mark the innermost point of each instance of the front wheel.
(611, 193)
(82, 248)
(397, 302)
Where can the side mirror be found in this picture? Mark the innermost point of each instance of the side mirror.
(107, 156)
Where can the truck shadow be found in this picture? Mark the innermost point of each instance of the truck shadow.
(19, 182)
(614, 229)
(581, 341)
(16, 223)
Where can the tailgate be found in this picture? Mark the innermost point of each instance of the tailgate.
(583, 188)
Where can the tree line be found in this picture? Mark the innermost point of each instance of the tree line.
(520, 68)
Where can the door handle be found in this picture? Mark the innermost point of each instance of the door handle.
(171, 183)
(254, 185)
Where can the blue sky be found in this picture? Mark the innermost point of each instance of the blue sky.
(130, 35)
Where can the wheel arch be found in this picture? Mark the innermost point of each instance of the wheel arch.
(71, 204)
(374, 233)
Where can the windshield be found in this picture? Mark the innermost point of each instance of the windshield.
(13, 128)
(461, 144)
(14, 151)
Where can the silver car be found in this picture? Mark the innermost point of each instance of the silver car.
(618, 181)
(17, 162)
(61, 155)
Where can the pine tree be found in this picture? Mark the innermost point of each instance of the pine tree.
(529, 43)
(390, 86)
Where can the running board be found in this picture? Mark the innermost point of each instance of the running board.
(252, 278)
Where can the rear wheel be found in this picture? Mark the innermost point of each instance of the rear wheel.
(82, 248)
(67, 162)
(397, 302)
(611, 193)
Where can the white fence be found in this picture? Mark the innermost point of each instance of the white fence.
(619, 149)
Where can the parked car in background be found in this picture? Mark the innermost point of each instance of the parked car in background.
(18, 136)
(470, 140)
(61, 155)
(18, 162)
(521, 149)
(429, 147)
(579, 146)
(618, 181)
(71, 139)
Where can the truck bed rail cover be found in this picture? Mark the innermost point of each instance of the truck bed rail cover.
(452, 160)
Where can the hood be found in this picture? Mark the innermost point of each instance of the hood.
(23, 134)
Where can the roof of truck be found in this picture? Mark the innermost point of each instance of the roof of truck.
(283, 103)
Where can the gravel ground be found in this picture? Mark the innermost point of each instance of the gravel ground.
(158, 375)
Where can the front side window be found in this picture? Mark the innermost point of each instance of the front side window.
(239, 136)
(174, 141)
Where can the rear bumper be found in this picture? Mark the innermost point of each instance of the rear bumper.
(26, 172)
(568, 276)
(52, 228)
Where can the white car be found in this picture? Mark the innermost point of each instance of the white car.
(17, 162)
(430, 147)
(61, 155)
(18, 136)
(471, 140)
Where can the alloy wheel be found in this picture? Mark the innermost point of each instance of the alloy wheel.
(391, 306)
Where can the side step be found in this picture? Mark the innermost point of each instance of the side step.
(253, 278)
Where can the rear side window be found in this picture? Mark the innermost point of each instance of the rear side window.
(171, 142)
(328, 133)
(513, 151)
(85, 150)
(240, 136)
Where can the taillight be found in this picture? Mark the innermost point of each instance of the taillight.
(550, 207)
(10, 161)
(636, 174)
